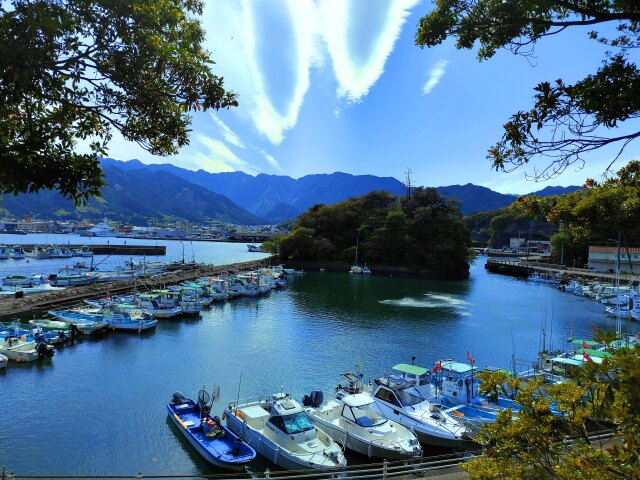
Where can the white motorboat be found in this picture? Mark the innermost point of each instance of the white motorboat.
(354, 420)
(280, 430)
(4, 252)
(401, 401)
(22, 350)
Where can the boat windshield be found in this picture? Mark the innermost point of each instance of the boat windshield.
(296, 423)
(409, 396)
(369, 415)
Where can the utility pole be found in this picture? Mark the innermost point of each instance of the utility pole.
(407, 183)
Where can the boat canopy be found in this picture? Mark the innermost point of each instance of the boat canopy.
(594, 353)
(580, 358)
(357, 400)
(411, 369)
(577, 341)
(569, 361)
(457, 367)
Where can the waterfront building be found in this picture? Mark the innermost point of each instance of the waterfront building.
(605, 259)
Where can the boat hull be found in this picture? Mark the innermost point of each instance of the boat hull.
(188, 424)
(271, 450)
(363, 446)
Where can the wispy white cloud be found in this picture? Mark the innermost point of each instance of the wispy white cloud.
(229, 135)
(355, 78)
(272, 161)
(272, 122)
(435, 75)
(219, 158)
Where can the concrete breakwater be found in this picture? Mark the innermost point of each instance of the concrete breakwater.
(36, 306)
(109, 249)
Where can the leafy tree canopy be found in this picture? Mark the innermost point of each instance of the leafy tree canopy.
(422, 231)
(75, 70)
(540, 445)
(566, 121)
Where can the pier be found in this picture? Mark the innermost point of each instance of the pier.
(114, 249)
(36, 306)
(520, 268)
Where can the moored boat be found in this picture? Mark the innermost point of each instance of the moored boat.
(401, 401)
(213, 441)
(283, 433)
(354, 420)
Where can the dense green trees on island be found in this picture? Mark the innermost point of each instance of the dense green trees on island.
(419, 232)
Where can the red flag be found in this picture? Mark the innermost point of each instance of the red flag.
(438, 366)
(584, 344)
(470, 358)
(586, 357)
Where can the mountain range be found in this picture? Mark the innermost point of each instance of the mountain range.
(137, 193)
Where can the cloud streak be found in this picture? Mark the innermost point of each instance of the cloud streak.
(229, 135)
(272, 161)
(435, 75)
(355, 78)
(269, 121)
(219, 158)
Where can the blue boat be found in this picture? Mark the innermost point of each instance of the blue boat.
(213, 441)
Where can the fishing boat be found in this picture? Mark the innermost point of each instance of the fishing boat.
(22, 350)
(283, 433)
(16, 252)
(213, 441)
(128, 318)
(354, 420)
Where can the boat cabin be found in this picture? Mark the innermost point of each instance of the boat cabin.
(361, 409)
(394, 391)
(457, 381)
(418, 376)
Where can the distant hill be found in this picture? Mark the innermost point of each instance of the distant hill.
(275, 197)
(137, 192)
(135, 196)
(474, 198)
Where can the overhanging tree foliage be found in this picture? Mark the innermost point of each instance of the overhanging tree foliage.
(566, 121)
(76, 70)
(540, 445)
(595, 215)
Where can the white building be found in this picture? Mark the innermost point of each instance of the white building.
(604, 259)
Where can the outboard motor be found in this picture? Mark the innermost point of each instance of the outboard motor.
(306, 401)
(316, 398)
(178, 398)
(44, 349)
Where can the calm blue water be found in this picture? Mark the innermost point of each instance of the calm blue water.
(216, 253)
(99, 406)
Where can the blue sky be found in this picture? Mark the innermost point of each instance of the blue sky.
(339, 85)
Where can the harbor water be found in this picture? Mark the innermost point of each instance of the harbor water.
(98, 407)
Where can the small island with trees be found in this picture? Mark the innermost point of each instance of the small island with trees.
(421, 233)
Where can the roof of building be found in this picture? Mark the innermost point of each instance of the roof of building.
(623, 250)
